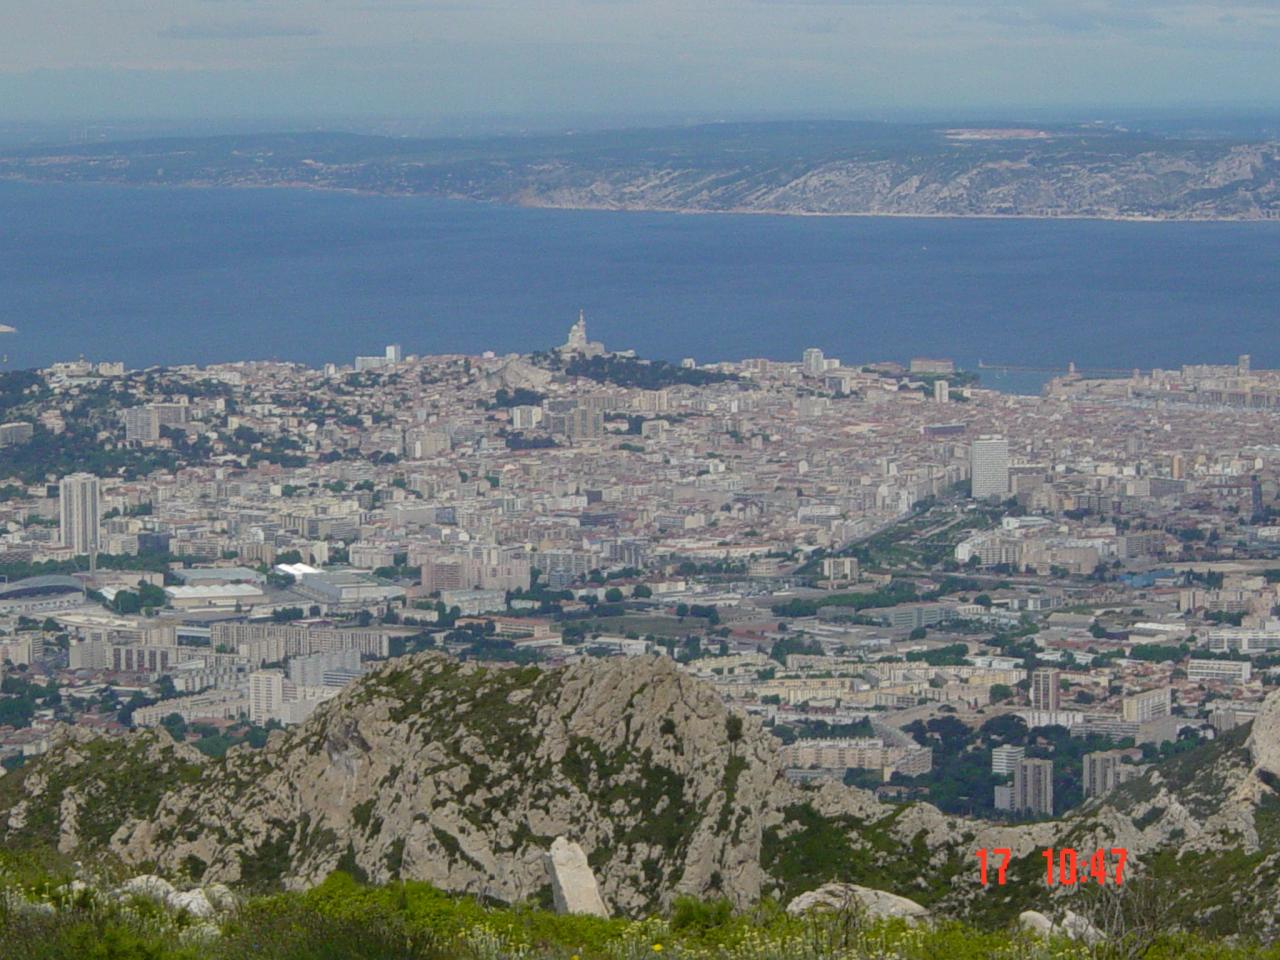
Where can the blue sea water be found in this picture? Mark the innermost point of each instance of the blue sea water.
(157, 275)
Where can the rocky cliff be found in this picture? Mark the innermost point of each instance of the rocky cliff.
(463, 775)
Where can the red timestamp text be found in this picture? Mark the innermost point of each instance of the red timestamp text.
(999, 859)
(1068, 867)
(1062, 866)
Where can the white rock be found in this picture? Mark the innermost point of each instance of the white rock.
(221, 897)
(841, 896)
(193, 902)
(1035, 922)
(1071, 925)
(27, 908)
(149, 886)
(1079, 928)
(572, 883)
(1264, 737)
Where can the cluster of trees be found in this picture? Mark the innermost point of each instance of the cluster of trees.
(688, 568)
(399, 570)
(150, 562)
(19, 387)
(477, 641)
(23, 697)
(78, 448)
(961, 780)
(641, 374)
(822, 730)
(897, 592)
(520, 397)
(256, 448)
(952, 655)
(794, 644)
(708, 612)
(215, 743)
(147, 597)
(518, 441)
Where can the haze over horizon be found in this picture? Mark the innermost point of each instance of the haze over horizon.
(620, 59)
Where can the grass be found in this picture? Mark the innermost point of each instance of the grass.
(342, 919)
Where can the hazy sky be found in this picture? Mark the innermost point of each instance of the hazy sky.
(149, 58)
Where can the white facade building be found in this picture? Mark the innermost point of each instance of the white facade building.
(79, 513)
(989, 467)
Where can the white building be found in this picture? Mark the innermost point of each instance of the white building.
(79, 513)
(1219, 671)
(1045, 692)
(814, 363)
(1004, 759)
(14, 433)
(311, 670)
(1246, 639)
(1033, 787)
(1106, 769)
(1148, 705)
(143, 424)
(272, 696)
(989, 467)
(266, 694)
(525, 417)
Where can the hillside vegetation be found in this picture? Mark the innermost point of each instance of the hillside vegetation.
(430, 771)
(42, 918)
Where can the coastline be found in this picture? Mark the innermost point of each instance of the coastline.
(398, 267)
(534, 203)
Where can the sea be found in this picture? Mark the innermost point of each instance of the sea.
(153, 275)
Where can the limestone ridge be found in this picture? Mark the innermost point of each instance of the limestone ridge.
(463, 775)
(795, 168)
(87, 786)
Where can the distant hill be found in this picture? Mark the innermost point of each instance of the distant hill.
(787, 168)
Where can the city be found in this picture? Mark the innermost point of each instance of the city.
(752, 480)
(1002, 604)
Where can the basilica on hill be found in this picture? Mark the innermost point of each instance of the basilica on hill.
(578, 344)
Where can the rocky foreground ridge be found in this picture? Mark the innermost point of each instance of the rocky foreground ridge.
(463, 775)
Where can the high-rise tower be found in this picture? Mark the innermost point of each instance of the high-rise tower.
(989, 467)
(79, 513)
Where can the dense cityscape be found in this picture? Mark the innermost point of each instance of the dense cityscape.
(584, 480)
(1002, 604)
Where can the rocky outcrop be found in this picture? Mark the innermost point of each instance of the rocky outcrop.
(1264, 741)
(876, 904)
(462, 775)
(573, 885)
(88, 785)
(1035, 922)
(1072, 925)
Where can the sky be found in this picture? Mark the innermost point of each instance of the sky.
(86, 59)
